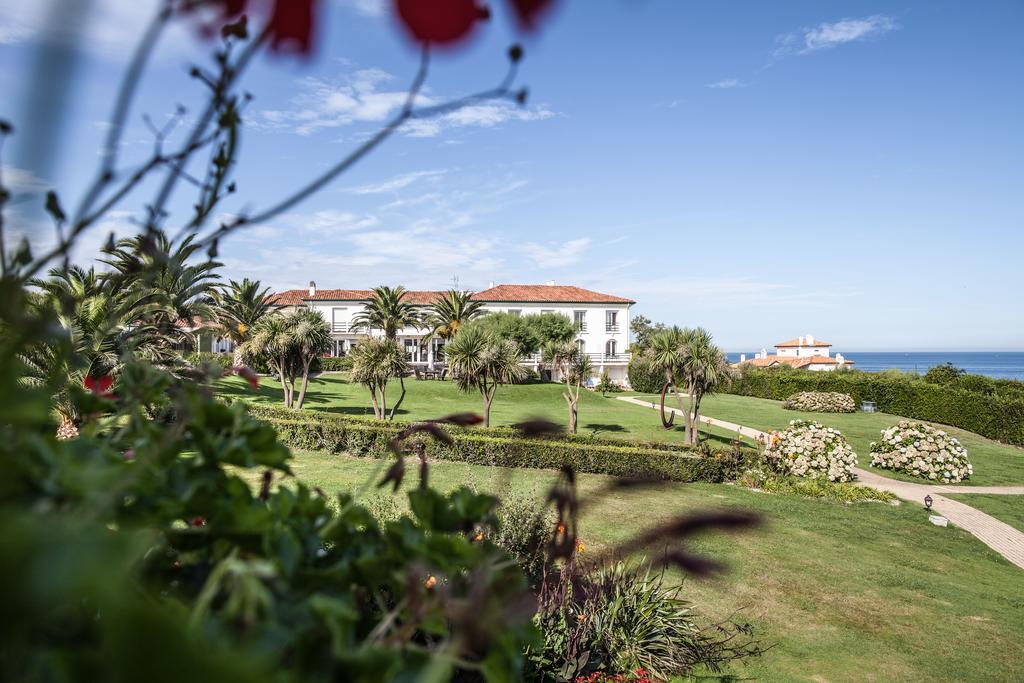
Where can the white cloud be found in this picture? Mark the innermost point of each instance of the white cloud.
(366, 96)
(828, 35)
(21, 181)
(551, 255)
(396, 183)
(727, 83)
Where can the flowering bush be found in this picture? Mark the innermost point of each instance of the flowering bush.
(821, 402)
(921, 450)
(807, 449)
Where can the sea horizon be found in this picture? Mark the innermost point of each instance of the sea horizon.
(995, 364)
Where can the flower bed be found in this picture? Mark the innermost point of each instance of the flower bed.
(821, 402)
(921, 450)
(808, 449)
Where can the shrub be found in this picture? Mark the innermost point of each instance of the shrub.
(523, 533)
(606, 385)
(807, 449)
(942, 374)
(197, 358)
(840, 492)
(501, 447)
(821, 402)
(626, 620)
(330, 364)
(999, 416)
(645, 376)
(921, 450)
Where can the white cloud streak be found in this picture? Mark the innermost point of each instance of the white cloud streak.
(553, 254)
(727, 84)
(833, 34)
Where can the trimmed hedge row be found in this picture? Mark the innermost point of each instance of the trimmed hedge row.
(497, 447)
(899, 394)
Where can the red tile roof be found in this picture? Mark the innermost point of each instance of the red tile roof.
(548, 294)
(796, 342)
(501, 293)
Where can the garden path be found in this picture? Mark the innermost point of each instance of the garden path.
(998, 535)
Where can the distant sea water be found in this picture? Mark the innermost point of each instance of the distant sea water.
(998, 364)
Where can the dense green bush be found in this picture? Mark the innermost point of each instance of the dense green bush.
(330, 364)
(199, 357)
(841, 492)
(644, 376)
(303, 430)
(999, 417)
(943, 374)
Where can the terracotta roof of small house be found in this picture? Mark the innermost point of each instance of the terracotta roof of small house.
(797, 342)
(289, 297)
(793, 361)
(548, 294)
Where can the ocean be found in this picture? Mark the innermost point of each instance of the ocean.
(998, 364)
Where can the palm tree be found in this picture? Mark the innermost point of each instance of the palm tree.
(387, 310)
(102, 327)
(150, 262)
(481, 361)
(311, 338)
(374, 363)
(271, 341)
(574, 367)
(690, 360)
(448, 313)
(238, 308)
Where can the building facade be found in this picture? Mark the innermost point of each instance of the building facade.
(806, 353)
(601, 320)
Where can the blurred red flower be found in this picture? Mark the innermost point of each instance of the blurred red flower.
(292, 25)
(440, 21)
(529, 11)
(100, 386)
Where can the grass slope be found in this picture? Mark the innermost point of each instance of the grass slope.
(867, 592)
(994, 463)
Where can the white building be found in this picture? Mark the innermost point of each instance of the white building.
(601, 320)
(806, 353)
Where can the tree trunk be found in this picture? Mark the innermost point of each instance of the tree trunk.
(383, 401)
(692, 426)
(373, 400)
(305, 381)
(236, 358)
(487, 409)
(284, 383)
(394, 410)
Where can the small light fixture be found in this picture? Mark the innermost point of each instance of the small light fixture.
(927, 502)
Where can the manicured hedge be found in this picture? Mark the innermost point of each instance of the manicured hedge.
(335, 364)
(501, 447)
(896, 393)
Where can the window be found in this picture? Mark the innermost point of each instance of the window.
(515, 311)
(579, 319)
(611, 321)
(339, 319)
(547, 310)
(609, 348)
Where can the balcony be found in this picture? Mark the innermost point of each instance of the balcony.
(581, 327)
(340, 327)
(595, 358)
(611, 327)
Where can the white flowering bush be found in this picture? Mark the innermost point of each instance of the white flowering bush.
(921, 450)
(808, 449)
(821, 402)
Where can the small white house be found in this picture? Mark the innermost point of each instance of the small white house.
(601, 320)
(806, 353)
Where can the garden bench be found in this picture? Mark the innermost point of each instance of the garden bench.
(868, 406)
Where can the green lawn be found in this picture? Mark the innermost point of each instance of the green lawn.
(869, 592)
(994, 463)
(606, 417)
(1006, 508)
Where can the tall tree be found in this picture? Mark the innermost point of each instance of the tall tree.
(449, 312)
(238, 307)
(482, 362)
(374, 363)
(311, 338)
(388, 310)
(574, 368)
(693, 363)
(176, 274)
(271, 343)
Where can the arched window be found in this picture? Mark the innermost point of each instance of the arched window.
(609, 348)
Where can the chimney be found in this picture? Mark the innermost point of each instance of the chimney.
(550, 283)
(764, 353)
(840, 359)
(312, 289)
(490, 285)
(743, 358)
(810, 340)
(800, 340)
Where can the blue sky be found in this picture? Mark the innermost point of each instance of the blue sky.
(849, 170)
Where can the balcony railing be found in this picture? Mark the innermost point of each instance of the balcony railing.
(536, 358)
(611, 327)
(340, 327)
(581, 327)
